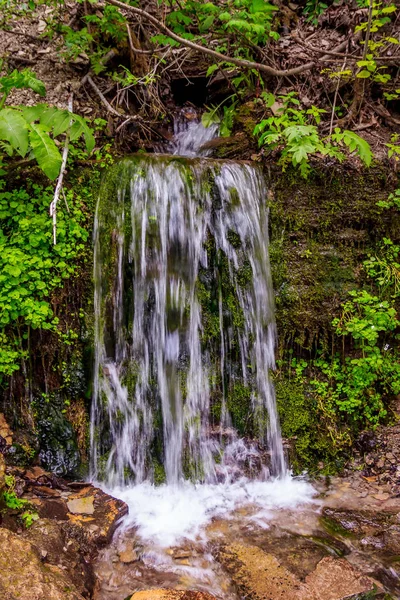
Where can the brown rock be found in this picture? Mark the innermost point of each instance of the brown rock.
(128, 556)
(24, 576)
(5, 431)
(164, 594)
(105, 515)
(259, 575)
(335, 578)
(2, 471)
(56, 549)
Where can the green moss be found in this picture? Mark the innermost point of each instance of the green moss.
(311, 446)
(238, 403)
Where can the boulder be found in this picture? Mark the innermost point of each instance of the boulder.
(164, 594)
(24, 576)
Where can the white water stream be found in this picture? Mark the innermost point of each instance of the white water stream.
(157, 382)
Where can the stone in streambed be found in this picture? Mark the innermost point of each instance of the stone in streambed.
(336, 579)
(164, 594)
(260, 576)
(128, 556)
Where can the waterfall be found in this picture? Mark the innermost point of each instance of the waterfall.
(184, 317)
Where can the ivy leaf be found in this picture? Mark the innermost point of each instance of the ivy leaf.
(14, 129)
(45, 151)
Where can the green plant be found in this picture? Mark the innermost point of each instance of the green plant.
(30, 130)
(12, 502)
(313, 10)
(31, 267)
(292, 132)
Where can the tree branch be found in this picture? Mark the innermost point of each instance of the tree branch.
(247, 64)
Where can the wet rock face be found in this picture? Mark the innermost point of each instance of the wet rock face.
(24, 576)
(260, 576)
(162, 594)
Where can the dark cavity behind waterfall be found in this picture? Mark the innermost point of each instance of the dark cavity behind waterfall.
(184, 315)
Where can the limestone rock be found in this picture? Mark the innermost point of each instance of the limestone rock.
(164, 594)
(24, 576)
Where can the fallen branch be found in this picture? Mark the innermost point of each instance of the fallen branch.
(53, 205)
(247, 64)
(104, 100)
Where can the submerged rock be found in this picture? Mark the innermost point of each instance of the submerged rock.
(336, 579)
(162, 594)
(24, 576)
(260, 576)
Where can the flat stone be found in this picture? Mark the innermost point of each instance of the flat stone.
(81, 506)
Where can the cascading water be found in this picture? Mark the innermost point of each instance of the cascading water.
(184, 326)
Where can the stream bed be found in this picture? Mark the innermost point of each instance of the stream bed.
(216, 539)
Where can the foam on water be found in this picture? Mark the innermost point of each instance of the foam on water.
(167, 515)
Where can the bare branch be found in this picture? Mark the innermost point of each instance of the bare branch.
(247, 64)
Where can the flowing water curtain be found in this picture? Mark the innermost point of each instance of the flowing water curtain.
(184, 315)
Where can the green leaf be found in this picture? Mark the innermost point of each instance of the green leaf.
(211, 70)
(358, 144)
(45, 151)
(208, 118)
(207, 23)
(364, 74)
(14, 129)
(34, 113)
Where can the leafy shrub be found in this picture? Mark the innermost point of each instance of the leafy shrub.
(31, 267)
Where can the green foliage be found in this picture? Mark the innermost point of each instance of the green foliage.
(14, 503)
(32, 129)
(313, 10)
(292, 132)
(247, 20)
(31, 267)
